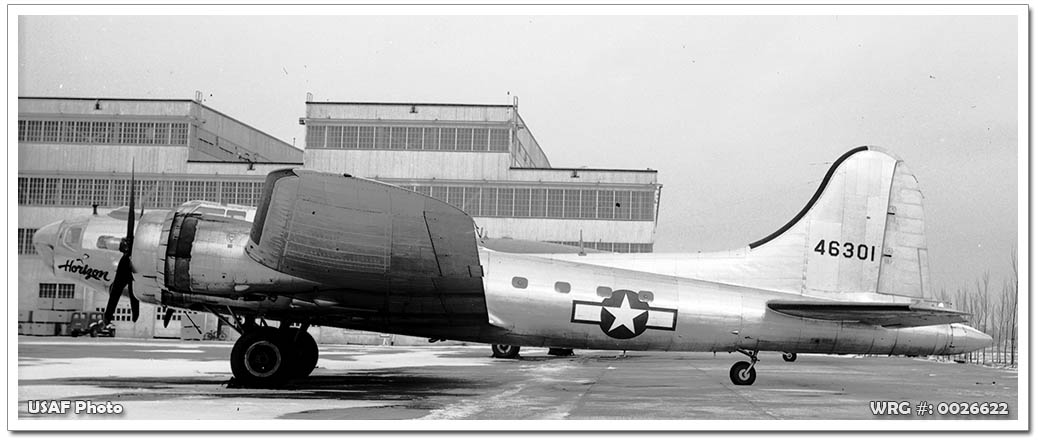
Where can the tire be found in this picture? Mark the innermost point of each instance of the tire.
(304, 352)
(560, 352)
(742, 374)
(504, 351)
(789, 357)
(261, 359)
(93, 333)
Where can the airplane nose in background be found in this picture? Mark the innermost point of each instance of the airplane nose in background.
(44, 240)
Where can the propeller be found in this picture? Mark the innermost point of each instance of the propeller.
(124, 270)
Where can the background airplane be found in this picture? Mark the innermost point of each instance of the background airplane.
(848, 274)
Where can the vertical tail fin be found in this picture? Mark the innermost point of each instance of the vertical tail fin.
(861, 232)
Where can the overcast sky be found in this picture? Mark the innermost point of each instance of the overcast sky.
(741, 115)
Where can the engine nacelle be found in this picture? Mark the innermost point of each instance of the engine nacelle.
(199, 255)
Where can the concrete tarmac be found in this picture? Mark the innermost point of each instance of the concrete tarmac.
(159, 379)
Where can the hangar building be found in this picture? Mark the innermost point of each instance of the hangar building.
(77, 152)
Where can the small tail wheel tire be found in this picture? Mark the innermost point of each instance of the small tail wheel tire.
(789, 357)
(742, 373)
(304, 350)
(504, 351)
(262, 359)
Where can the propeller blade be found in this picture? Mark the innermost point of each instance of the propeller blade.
(130, 217)
(167, 317)
(113, 300)
(135, 306)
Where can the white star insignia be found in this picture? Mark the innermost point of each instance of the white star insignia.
(624, 315)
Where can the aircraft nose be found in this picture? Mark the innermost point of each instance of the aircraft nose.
(974, 340)
(44, 240)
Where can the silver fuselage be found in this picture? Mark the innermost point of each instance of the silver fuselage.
(603, 307)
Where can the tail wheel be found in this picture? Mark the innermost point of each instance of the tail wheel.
(306, 352)
(742, 373)
(789, 357)
(504, 351)
(261, 358)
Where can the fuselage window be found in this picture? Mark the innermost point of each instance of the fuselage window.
(604, 291)
(519, 282)
(562, 287)
(645, 296)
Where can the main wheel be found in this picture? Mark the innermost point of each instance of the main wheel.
(305, 352)
(261, 358)
(504, 351)
(789, 357)
(742, 373)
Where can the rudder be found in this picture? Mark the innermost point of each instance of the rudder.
(861, 232)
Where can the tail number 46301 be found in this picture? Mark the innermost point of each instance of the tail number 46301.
(835, 248)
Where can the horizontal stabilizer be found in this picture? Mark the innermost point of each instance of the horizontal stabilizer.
(882, 314)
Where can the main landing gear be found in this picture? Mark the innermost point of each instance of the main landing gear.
(504, 351)
(267, 357)
(743, 373)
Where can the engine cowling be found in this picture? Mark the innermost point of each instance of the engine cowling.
(202, 255)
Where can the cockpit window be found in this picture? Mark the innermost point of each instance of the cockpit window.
(73, 237)
(108, 242)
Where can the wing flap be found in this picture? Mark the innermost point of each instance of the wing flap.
(891, 315)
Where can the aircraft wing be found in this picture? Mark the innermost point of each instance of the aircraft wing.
(876, 313)
(385, 248)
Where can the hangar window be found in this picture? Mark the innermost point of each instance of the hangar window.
(448, 136)
(522, 202)
(162, 133)
(571, 203)
(641, 205)
(414, 138)
(179, 134)
(588, 204)
(101, 132)
(555, 203)
(562, 287)
(432, 138)
(59, 290)
(519, 282)
(464, 139)
(488, 203)
(366, 138)
(398, 138)
(622, 205)
(538, 198)
(605, 204)
(470, 204)
(51, 131)
(456, 196)
(315, 136)
(498, 139)
(350, 135)
(382, 135)
(33, 131)
(504, 202)
(333, 137)
(25, 245)
(479, 139)
(160, 313)
(122, 314)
